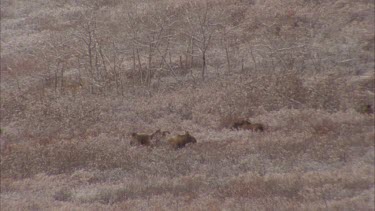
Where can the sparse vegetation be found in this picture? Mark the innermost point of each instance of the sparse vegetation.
(78, 77)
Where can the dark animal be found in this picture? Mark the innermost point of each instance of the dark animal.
(143, 139)
(253, 127)
(180, 141)
(159, 135)
(246, 125)
(367, 109)
(237, 125)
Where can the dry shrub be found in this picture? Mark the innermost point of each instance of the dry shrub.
(254, 186)
(107, 196)
(7, 185)
(184, 187)
(323, 126)
(64, 157)
(24, 64)
(227, 121)
(280, 148)
(243, 96)
(64, 194)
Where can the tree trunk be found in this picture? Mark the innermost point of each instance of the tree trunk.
(134, 65)
(181, 65)
(140, 65)
(170, 58)
(90, 51)
(56, 75)
(242, 65)
(149, 65)
(254, 60)
(62, 78)
(192, 53)
(203, 64)
(227, 55)
(187, 55)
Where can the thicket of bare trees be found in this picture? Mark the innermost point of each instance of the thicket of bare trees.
(108, 47)
(109, 51)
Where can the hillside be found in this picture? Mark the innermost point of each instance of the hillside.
(78, 77)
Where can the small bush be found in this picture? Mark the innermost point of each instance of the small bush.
(64, 194)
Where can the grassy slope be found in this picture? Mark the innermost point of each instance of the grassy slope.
(317, 151)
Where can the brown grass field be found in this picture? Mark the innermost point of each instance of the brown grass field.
(78, 77)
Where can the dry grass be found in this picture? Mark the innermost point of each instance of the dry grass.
(304, 71)
(300, 164)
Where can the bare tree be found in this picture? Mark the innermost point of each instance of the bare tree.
(150, 34)
(202, 22)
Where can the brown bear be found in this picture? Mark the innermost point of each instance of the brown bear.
(158, 136)
(180, 141)
(253, 127)
(240, 123)
(246, 125)
(143, 139)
